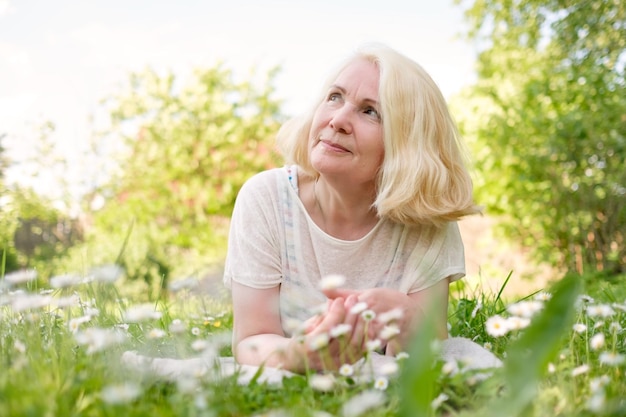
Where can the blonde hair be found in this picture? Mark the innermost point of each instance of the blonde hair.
(423, 178)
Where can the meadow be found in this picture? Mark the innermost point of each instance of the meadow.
(62, 339)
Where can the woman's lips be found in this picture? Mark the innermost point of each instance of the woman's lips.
(333, 146)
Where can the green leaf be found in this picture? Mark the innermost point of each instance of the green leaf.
(528, 357)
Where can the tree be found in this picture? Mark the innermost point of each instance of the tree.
(188, 149)
(548, 125)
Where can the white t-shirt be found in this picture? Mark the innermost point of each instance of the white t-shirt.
(274, 242)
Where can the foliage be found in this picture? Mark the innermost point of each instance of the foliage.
(189, 146)
(546, 121)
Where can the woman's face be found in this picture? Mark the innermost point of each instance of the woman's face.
(346, 135)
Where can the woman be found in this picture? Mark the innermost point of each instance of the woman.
(374, 183)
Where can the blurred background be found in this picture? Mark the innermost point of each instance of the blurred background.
(127, 128)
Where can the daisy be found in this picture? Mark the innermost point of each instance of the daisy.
(373, 345)
(440, 399)
(332, 282)
(597, 341)
(156, 334)
(64, 281)
(322, 382)
(389, 332)
(381, 383)
(389, 368)
(97, 339)
(391, 315)
(582, 369)
(579, 328)
(525, 308)
(346, 370)
(600, 310)
(20, 277)
(340, 330)
(75, 323)
(319, 341)
(517, 323)
(543, 296)
(497, 326)
(177, 326)
(106, 273)
(611, 358)
(361, 403)
(140, 313)
(368, 315)
(358, 308)
(120, 394)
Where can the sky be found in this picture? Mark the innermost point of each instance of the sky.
(59, 59)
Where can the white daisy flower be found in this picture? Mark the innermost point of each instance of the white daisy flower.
(597, 341)
(372, 345)
(579, 370)
(346, 370)
(361, 403)
(381, 383)
(20, 277)
(64, 281)
(389, 332)
(611, 358)
(440, 399)
(120, 394)
(322, 382)
(358, 308)
(497, 326)
(340, 330)
(140, 313)
(600, 310)
(368, 315)
(525, 309)
(332, 282)
(579, 328)
(156, 333)
(391, 315)
(319, 341)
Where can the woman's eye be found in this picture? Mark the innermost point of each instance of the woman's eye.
(372, 112)
(334, 96)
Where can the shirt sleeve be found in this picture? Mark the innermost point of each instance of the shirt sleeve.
(442, 257)
(253, 257)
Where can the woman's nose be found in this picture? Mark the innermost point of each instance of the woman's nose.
(341, 119)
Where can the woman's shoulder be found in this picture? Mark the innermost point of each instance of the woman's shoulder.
(265, 178)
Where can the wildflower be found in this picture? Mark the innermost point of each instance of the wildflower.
(551, 368)
(156, 334)
(597, 341)
(391, 315)
(181, 284)
(598, 324)
(346, 370)
(64, 281)
(477, 308)
(543, 296)
(98, 339)
(621, 307)
(525, 309)
(106, 273)
(596, 384)
(497, 326)
(140, 313)
(177, 326)
(401, 356)
(75, 323)
(91, 311)
(322, 382)
(389, 332)
(517, 323)
(20, 277)
(368, 315)
(389, 368)
(611, 358)
(440, 399)
(451, 368)
(487, 346)
(65, 302)
(582, 369)
(373, 345)
(30, 302)
(363, 402)
(585, 299)
(579, 328)
(120, 394)
(332, 282)
(381, 383)
(340, 330)
(600, 310)
(358, 308)
(319, 341)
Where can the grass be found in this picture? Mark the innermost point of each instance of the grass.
(60, 349)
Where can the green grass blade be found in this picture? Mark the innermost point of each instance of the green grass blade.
(528, 357)
(419, 375)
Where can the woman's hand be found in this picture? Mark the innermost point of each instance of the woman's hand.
(334, 338)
